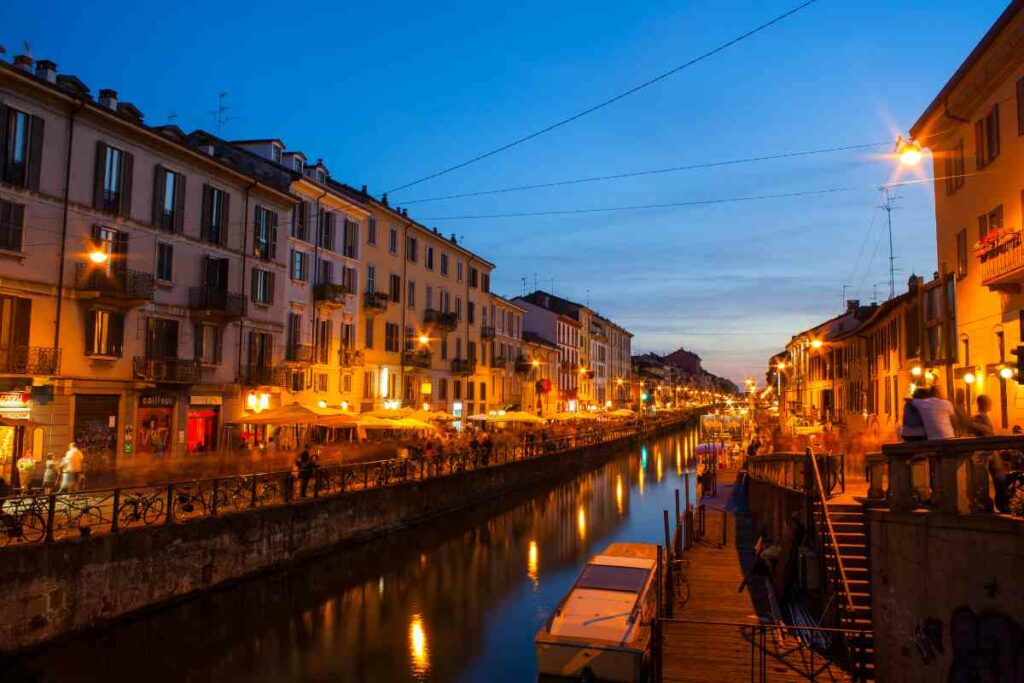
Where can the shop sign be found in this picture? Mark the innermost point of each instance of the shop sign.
(15, 405)
(206, 400)
(156, 401)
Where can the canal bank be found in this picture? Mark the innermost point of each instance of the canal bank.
(61, 588)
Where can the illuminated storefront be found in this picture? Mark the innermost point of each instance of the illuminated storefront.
(203, 422)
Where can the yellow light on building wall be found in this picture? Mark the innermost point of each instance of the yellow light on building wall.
(916, 371)
(426, 388)
(1006, 372)
(384, 376)
(424, 339)
(321, 403)
(817, 343)
(969, 378)
(98, 257)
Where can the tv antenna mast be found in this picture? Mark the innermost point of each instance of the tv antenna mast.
(889, 208)
(220, 114)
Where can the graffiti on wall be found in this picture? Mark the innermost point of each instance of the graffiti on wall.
(928, 639)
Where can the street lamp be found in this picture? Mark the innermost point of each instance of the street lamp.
(908, 151)
(98, 256)
(817, 343)
(778, 379)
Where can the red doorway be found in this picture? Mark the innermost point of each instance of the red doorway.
(202, 429)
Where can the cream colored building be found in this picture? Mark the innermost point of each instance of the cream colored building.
(540, 385)
(142, 277)
(503, 326)
(975, 130)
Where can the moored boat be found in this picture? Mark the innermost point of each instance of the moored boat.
(601, 631)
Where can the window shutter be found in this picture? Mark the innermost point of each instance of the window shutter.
(197, 341)
(256, 229)
(205, 219)
(159, 190)
(127, 173)
(273, 235)
(16, 225)
(979, 143)
(1020, 107)
(225, 215)
(270, 287)
(181, 182)
(4, 113)
(22, 320)
(35, 152)
(97, 185)
(90, 333)
(223, 270)
(252, 284)
(217, 345)
(115, 334)
(993, 132)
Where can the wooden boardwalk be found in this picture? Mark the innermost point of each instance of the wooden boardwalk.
(694, 653)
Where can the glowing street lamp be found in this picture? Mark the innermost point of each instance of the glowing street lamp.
(424, 339)
(969, 378)
(817, 343)
(908, 151)
(1006, 372)
(98, 256)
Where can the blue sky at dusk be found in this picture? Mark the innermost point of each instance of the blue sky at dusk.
(388, 92)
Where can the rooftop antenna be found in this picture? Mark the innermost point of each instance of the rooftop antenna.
(889, 208)
(552, 285)
(220, 114)
(524, 285)
(535, 282)
(171, 117)
(588, 297)
(28, 49)
(842, 301)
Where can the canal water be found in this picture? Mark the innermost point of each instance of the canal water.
(457, 600)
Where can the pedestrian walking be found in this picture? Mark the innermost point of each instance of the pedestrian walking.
(71, 468)
(26, 470)
(304, 467)
(50, 473)
(981, 423)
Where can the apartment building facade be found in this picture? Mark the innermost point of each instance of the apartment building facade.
(503, 326)
(975, 130)
(540, 393)
(141, 275)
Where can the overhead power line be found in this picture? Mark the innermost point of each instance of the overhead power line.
(633, 174)
(695, 202)
(609, 101)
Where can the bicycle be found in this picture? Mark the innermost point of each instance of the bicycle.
(680, 585)
(25, 522)
(147, 508)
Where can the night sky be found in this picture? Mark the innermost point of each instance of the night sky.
(387, 93)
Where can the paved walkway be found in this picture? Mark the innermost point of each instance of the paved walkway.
(701, 652)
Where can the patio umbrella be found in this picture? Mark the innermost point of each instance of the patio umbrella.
(575, 416)
(519, 416)
(409, 423)
(431, 415)
(391, 413)
(623, 412)
(292, 414)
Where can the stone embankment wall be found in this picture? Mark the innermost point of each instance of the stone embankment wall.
(948, 596)
(51, 590)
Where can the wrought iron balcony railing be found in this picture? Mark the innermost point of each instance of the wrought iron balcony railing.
(298, 353)
(463, 366)
(330, 294)
(416, 359)
(523, 366)
(255, 375)
(445, 321)
(351, 358)
(487, 332)
(29, 360)
(214, 300)
(374, 302)
(187, 371)
(126, 284)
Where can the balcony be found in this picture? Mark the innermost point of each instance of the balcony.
(1001, 255)
(500, 362)
(463, 366)
(350, 358)
(375, 302)
(487, 332)
(331, 295)
(264, 376)
(298, 353)
(167, 370)
(416, 359)
(440, 320)
(212, 302)
(523, 366)
(125, 287)
(29, 360)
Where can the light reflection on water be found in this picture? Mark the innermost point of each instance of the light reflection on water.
(455, 600)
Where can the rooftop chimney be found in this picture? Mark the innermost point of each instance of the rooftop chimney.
(108, 99)
(23, 62)
(364, 189)
(405, 212)
(852, 305)
(46, 70)
(384, 199)
(453, 239)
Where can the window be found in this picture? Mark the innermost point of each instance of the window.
(300, 221)
(321, 177)
(208, 350)
(1020, 106)
(444, 263)
(164, 261)
(470, 391)
(444, 347)
(961, 253)
(104, 333)
(411, 249)
(350, 247)
(391, 337)
(396, 288)
(265, 234)
(474, 277)
(297, 163)
(371, 277)
(485, 282)
(275, 154)
(327, 229)
(161, 338)
(458, 270)
(458, 308)
(990, 222)
(483, 391)
(428, 299)
(321, 382)
(214, 222)
(371, 230)
(346, 383)
(430, 258)
(367, 384)
(297, 381)
(169, 200)
(262, 286)
(299, 266)
(393, 241)
(368, 334)
(442, 389)
(457, 389)
(410, 297)
(113, 180)
(955, 168)
(21, 147)
(12, 225)
(470, 312)
(986, 138)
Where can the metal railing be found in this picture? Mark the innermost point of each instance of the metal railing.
(1002, 258)
(120, 283)
(264, 375)
(29, 360)
(331, 294)
(416, 359)
(446, 321)
(487, 332)
(793, 471)
(351, 358)
(298, 353)
(375, 301)
(184, 370)
(230, 304)
(36, 518)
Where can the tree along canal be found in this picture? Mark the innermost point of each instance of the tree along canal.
(459, 599)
